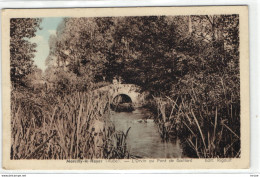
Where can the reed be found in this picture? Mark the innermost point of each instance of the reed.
(206, 130)
(75, 126)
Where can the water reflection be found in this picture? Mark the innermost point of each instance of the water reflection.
(144, 139)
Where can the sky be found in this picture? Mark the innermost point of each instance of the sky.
(49, 26)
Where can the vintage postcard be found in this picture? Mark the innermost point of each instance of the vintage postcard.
(126, 88)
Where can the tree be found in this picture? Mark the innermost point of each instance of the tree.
(82, 46)
(51, 59)
(144, 50)
(21, 50)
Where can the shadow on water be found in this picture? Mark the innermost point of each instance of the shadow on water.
(144, 139)
(122, 103)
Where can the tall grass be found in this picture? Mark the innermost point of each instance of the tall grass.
(74, 126)
(207, 130)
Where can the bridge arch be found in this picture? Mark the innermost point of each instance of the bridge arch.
(130, 90)
(122, 98)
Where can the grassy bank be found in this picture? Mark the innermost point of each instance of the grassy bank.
(207, 127)
(72, 126)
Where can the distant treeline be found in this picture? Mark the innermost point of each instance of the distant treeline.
(155, 52)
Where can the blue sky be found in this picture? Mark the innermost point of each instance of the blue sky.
(49, 26)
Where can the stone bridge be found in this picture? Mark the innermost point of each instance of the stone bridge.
(132, 91)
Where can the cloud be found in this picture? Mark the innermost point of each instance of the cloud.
(52, 32)
(37, 39)
(42, 50)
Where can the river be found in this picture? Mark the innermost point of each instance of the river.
(144, 138)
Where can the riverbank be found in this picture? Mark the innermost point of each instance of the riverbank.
(202, 134)
(45, 126)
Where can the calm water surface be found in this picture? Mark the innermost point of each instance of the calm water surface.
(143, 138)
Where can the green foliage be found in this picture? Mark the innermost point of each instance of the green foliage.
(104, 48)
(143, 51)
(21, 50)
(154, 52)
(81, 47)
(35, 81)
